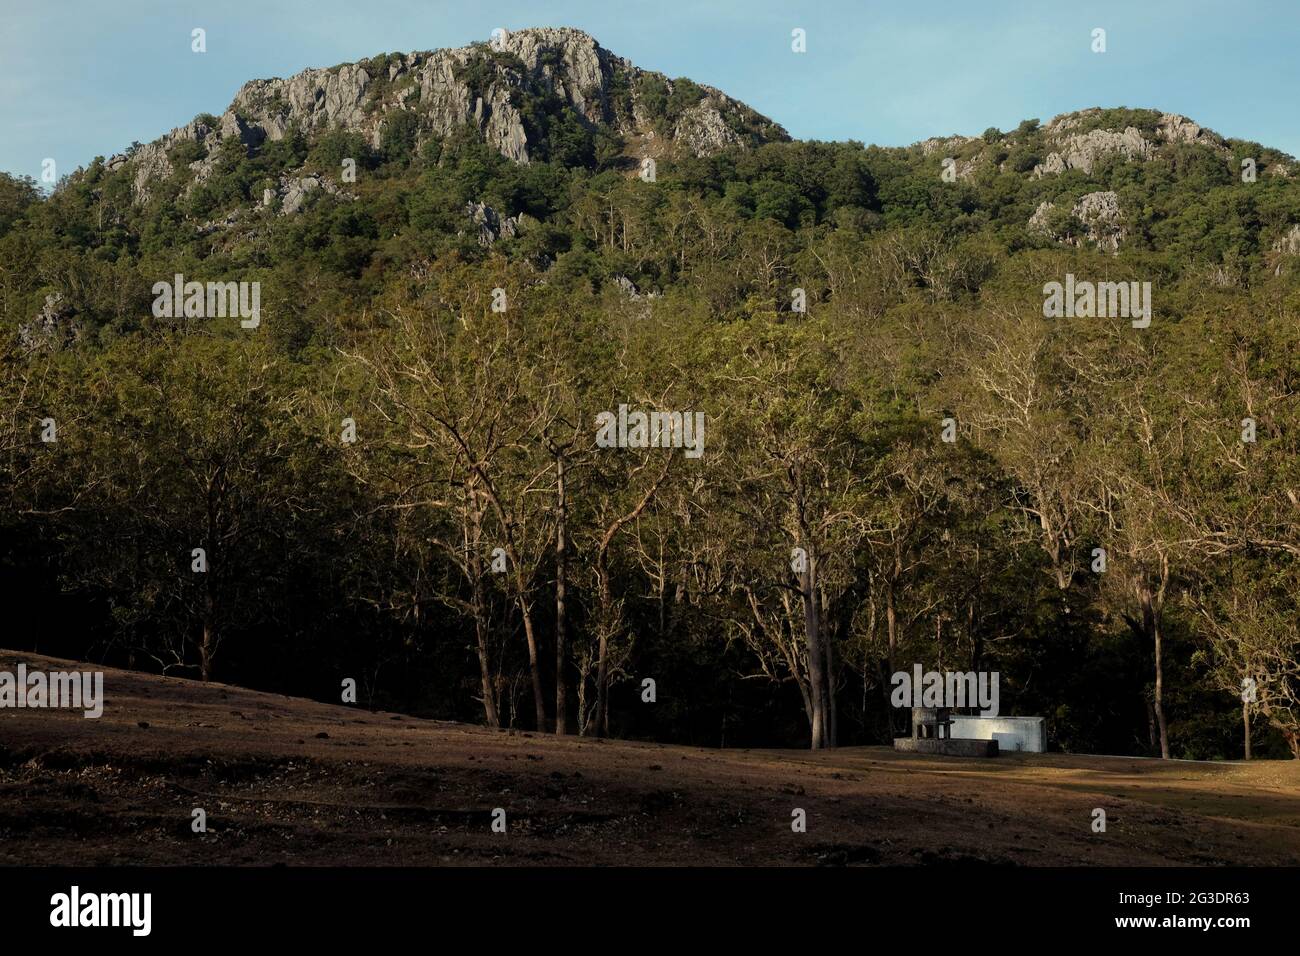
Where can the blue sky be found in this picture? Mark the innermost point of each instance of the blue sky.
(80, 78)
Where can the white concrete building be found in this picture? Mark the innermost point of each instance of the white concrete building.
(1028, 734)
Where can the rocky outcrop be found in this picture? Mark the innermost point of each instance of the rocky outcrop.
(1173, 128)
(1283, 251)
(948, 145)
(1288, 244)
(1040, 223)
(703, 129)
(1083, 150)
(54, 327)
(293, 192)
(626, 290)
(1099, 214)
(490, 226)
(481, 85)
(222, 224)
(313, 99)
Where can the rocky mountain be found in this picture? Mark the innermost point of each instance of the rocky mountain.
(518, 92)
(1084, 149)
(528, 146)
(1081, 140)
(556, 96)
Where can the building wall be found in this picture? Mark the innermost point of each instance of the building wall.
(1027, 734)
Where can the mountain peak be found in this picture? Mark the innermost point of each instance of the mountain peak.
(1082, 139)
(520, 92)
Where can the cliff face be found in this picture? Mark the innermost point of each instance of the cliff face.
(1072, 149)
(495, 88)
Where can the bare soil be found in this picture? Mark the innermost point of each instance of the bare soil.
(291, 781)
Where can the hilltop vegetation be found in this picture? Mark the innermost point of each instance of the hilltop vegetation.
(475, 427)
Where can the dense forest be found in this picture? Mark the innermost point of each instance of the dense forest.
(395, 477)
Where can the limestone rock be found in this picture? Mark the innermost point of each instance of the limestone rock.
(1040, 223)
(293, 191)
(1098, 212)
(1173, 128)
(1289, 243)
(948, 145)
(704, 131)
(489, 225)
(222, 224)
(628, 290)
(54, 327)
(479, 85)
(1082, 151)
(626, 287)
(312, 99)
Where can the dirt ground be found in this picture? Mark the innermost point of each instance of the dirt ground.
(291, 781)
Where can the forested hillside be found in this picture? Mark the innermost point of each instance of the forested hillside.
(464, 258)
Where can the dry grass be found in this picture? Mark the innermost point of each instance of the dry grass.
(285, 780)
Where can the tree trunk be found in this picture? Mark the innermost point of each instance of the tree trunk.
(521, 595)
(534, 665)
(602, 686)
(891, 632)
(1151, 614)
(663, 592)
(604, 615)
(816, 654)
(608, 622)
(490, 715)
(205, 654)
(1245, 723)
(207, 649)
(832, 716)
(475, 561)
(489, 692)
(561, 637)
(976, 639)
